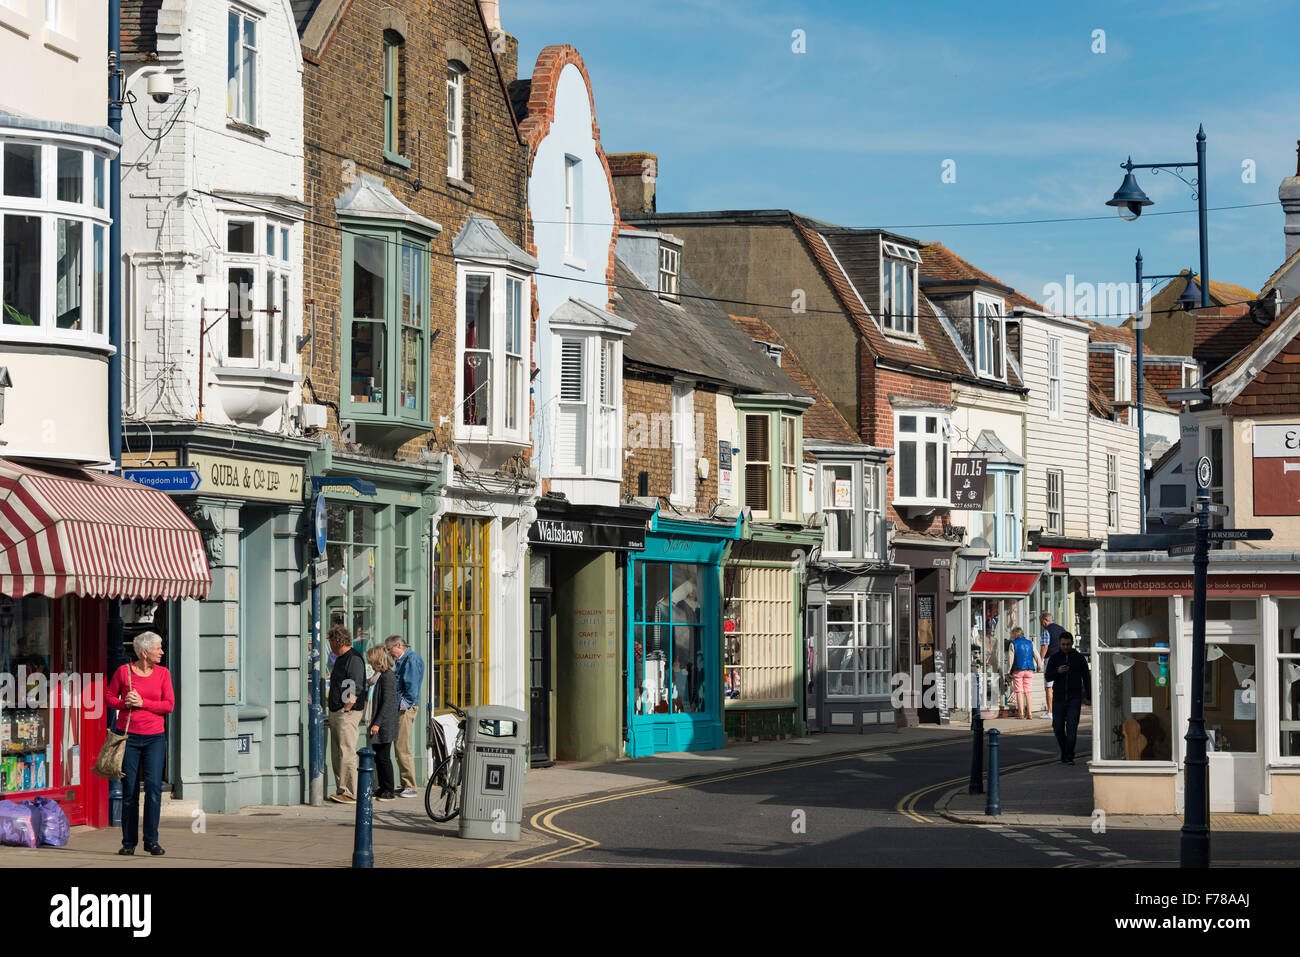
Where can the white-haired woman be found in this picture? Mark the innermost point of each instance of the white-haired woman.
(141, 692)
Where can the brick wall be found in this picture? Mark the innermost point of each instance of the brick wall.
(1276, 390)
(648, 425)
(343, 136)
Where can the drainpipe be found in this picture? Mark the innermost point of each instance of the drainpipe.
(115, 630)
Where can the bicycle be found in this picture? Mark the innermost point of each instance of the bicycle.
(442, 795)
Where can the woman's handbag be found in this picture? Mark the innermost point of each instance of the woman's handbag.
(109, 764)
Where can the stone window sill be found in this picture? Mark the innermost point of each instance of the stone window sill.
(246, 128)
(460, 184)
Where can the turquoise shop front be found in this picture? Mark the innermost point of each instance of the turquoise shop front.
(674, 636)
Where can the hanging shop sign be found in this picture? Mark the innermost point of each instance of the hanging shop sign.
(966, 484)
(554, 531)
(1276, 460)
(245, 478)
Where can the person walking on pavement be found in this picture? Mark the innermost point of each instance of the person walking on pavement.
(347, 702)
(141, 693)
(1051, 642)
(383, 723)
(1069, 670)
(410, 679)
(1024, 665)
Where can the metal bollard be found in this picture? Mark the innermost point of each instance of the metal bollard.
(363, 849)
(993, 806)
(977, 747)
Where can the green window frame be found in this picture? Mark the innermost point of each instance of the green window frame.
(392, 75)
(385, 334)
(779, 464)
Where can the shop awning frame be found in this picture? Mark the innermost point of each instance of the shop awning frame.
(69, 531)
(1004, 583)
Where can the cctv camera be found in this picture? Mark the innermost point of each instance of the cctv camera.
(160, 87)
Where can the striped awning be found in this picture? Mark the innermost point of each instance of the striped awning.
(68, 531)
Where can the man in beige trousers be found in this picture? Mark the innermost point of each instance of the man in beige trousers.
(410, 679)
(346, 704)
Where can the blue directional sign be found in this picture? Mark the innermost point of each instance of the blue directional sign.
(165, 480)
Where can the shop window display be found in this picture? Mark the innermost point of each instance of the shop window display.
(1134, 716)
(28, 719)
(670, 671)
(351, 550)
(1288, 675)
(859, 646)
(991, 622)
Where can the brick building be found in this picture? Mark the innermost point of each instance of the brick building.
(418, 303)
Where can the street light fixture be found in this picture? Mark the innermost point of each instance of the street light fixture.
(1129, 200)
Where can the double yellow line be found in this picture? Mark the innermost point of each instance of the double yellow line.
(906, 805)
(544, 821)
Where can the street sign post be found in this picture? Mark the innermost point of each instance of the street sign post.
(1240, 534)
(165, 480)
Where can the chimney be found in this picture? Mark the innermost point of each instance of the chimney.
(634, 177)
(504, 45)
(1289, 196)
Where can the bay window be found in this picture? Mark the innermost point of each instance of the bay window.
(990, 356)
(921, 468)
(259, 281)
(54, 232)
(385, 325)
(758, 463)
(241, 66)
(773, 455)
(998, 523)
(491, 334)
(859, 646)
(849, 496)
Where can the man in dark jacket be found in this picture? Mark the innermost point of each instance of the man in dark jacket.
(346, 703)
(1072, 686)
(1051, 642)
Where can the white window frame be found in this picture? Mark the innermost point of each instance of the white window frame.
(1055, 405)
(497, 384)
(1112, 492)
(456, 121)
(875, 542)
(1280, 660)
(601, 405)
(235, 106)
(683, 444)
(922, 440)
(901, 322)
(864, 606)
(670, 265)
(48, 209)
(1056, 515)
(789, 447)
(826, 473)
(1124, 381)
(990, 359)
(265, 264)
(1191, 375)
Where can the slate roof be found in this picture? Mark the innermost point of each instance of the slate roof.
(139, 23)
(822, 420)
(695, 337)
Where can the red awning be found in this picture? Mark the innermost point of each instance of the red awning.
(1058, 557)
(76, 532)
(1004, 583)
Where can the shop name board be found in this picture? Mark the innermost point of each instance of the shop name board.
(223, 475)
(1275, 451)
(546, 531)
(966, 484)
(1216, 585)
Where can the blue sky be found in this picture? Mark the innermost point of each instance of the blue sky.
(856, 130)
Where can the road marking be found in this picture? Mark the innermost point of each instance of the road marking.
(906, 805)
(544, 821)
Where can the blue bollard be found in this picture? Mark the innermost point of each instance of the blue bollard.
(977, 746)
(363, 848)
(993, 807)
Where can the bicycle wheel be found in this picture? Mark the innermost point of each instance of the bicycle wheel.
(442, 795)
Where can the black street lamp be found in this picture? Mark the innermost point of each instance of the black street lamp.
(1129, 200)
(1187, 300)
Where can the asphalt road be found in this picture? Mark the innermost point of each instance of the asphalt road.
(862, 810)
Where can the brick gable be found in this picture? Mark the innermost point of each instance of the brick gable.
(1276, 389)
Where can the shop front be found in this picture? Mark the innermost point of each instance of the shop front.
(377, 563)
(674, 649)
(928, 630)
(578, 556)
(765, 667)
(70, 540)
(1142, 628)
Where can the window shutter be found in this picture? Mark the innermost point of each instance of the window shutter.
(571, 427)
(571, 370)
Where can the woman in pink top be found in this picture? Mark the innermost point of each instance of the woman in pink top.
(141, 693)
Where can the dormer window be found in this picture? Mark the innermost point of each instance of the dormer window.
(1191, 375)
(1123, 376)
(898, 288)
(670, 264)
(990, 338)
(774, 351)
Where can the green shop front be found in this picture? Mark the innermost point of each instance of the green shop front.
(674, 636)
(377, 556)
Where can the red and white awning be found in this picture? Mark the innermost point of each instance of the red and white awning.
(76, 532)
(1004, 583)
